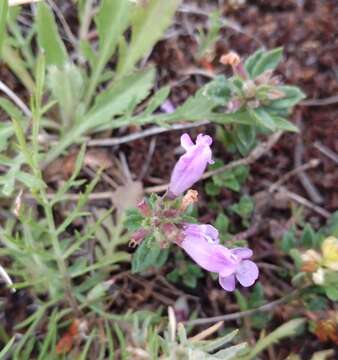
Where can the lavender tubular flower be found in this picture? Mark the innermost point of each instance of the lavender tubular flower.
(201, 244)
(191, 166)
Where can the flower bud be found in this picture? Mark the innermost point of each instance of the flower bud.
(190, 166)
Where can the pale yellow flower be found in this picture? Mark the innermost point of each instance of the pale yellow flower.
(330, 253)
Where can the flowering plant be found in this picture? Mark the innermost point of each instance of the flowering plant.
(162, 221)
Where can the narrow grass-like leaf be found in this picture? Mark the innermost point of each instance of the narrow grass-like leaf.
(48, 37)
(7, 348)
(289, 329)
(111, 21)
(114, 101)
(149, 21)
(3, 19)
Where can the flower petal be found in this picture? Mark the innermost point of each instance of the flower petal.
(211, 257)
(247, 273)
(227, 282)
(203, 231)
(186, 142)
(242, 253)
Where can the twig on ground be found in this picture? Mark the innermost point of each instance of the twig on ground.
(70, 36)
(309, 187)
(142, 134)
(309, 165)
(4, 88)
(148, 159)
(326, 151)
(301, 200)
(320, 102)
(239, 315)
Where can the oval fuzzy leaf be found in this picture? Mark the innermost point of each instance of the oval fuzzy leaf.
(266, 61)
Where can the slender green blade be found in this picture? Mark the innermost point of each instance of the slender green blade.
(48, 37)
(148, 24)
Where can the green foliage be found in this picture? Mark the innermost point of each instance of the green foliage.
(244, 208)
(3, 20)
(48, 37)
(185, 272)
(148, 254)
(207, 39)
(262, 61)
(147, 26)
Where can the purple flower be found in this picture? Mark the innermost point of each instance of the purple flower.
(190, 166)
(246, 270)
(201, 244)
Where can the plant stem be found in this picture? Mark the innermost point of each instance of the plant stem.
(58, 252)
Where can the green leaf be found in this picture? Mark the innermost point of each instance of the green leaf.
(66, 84)
(3, 20)
(332, 293)
(252, 60)
(222, 223)
(293, 95)
(288, 241)
(148, 23)
(48, 37)
(308, 238)
(120, 96)
(288, 329)
(261, 117)
(5, 350)
(111, 21)
(266, 61)
(212, 189)
(148, 254)
(114, 101)
(133, 219)
(244, 208)
(283, 124)
(157, 100)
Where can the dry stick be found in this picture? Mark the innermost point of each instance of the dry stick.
(145, 133)
(326, 151)
(301, 200)
(4, 88)
(241, 314)
(309, 187)
(320, 102)
(309, 165)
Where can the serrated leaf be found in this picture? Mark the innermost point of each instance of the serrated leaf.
(48, 37)
(148, 23)
(266, 61)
